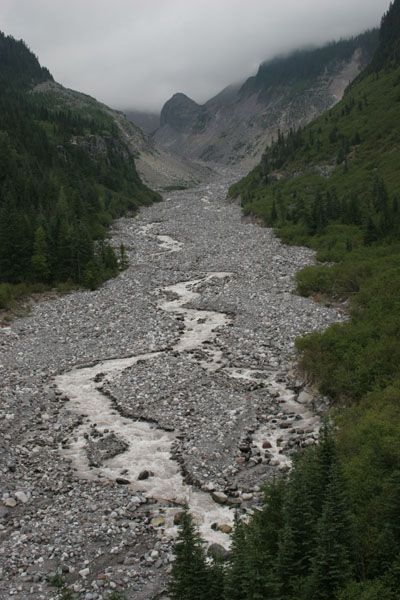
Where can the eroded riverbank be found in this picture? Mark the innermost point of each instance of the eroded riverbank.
(220, 395)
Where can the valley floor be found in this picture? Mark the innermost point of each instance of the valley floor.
(96, 462)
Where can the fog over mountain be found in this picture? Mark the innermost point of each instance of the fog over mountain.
(137, 54)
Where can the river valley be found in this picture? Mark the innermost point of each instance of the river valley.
(174, 382)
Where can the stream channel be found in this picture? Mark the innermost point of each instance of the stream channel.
(147, 447)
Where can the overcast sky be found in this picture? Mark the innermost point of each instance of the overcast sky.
(137, 53)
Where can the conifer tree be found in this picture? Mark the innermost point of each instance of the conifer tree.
(332, 561)
(40, 257)
(259, 563)
(190, 572)
(236, 574)
(216, 580)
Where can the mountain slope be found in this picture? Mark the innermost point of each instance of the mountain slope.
(335, 186)
(65, 173)
(156, 166)
(235, 126)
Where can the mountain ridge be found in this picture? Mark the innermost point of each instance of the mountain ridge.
(287, 92)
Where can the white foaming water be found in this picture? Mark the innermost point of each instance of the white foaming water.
(200, 325)
(169, 244)
(149, 447)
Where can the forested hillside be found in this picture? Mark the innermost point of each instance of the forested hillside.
(64, 176)
(300, 69)
(331, 530)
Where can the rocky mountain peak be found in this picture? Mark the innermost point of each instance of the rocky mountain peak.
(179, 112)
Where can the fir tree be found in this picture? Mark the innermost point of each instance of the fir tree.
(236, 574)
(190, 573)
(332, 561)
(40, 257)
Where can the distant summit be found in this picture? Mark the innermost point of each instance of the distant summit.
(179, 113)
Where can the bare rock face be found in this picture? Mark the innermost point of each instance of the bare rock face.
(235, 126)
(180, 113)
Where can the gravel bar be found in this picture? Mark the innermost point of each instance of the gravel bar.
(189, 352)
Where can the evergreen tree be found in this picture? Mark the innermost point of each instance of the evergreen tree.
(190, 573)
(216, 580)
(260, 580)
(15, 241)
(40, 257)
(123, 262)
(274, 213)
(332, 561)
(236, 573)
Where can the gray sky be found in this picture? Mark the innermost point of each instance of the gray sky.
(137, 53)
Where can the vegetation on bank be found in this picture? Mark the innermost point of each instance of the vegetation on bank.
(65, 174)
(305, 543)
(331, 530)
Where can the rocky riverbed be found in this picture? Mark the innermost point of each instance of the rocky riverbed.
(175, 381)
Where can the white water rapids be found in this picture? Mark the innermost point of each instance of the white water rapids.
(149, 448)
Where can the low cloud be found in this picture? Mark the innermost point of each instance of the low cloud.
(137, 53)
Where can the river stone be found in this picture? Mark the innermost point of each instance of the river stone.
(224, 528)
(21, 496)
(309, 442)
(304, 397)
(122, 481)
(157, 521)
(234, 501)
(247, 496)
(3, 512)
(219, 497)
(10, 502)
(178, 517)
(143, 475)
(218, 552)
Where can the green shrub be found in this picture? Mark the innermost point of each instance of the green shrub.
(5, 295)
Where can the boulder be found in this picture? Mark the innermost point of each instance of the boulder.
(218, 552)
(219, 497)
(122, 481)
(224, 528)
(157, 521)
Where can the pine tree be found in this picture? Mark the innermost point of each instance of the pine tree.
(332, 561)
(190, 573)
(40, 257)
(236, 574)
(274, 213)
(216, 580)
(123, 262)
(15, 242)
(286, 572)
(262, 545)
(260, 580)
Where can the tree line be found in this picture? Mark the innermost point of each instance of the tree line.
(305, 542)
